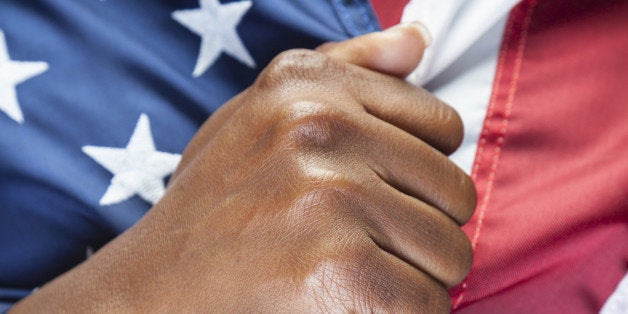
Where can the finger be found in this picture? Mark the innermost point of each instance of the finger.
(396, 51)
(419, 292)
(400, 159)
(419, 234)
(408, 107)
(364, 278)
(414, 168)
(316, 77)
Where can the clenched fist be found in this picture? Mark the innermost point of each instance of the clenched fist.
(324, 186)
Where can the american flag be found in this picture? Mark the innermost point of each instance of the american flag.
(98, 99)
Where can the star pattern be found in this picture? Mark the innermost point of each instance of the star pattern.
(13, 73)
(138, 169)
(216, 24)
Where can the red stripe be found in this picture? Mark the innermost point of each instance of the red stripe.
(497, 120)
(389, 11)
(550, 233)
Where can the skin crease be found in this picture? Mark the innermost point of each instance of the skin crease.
(323, 187)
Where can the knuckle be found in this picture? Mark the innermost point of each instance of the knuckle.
(461, 202)
(444, 250)
(314, 126)
(454, 127)
(437, 302)
(375, 284)
(414, 292)
(462, 259)
(336, 189)
(469, 198)
(448, 121)
(442, 119)
(457, 128)
(401, 292)
(291, 67)
(347, 282)
(317, 198)
(326, 193)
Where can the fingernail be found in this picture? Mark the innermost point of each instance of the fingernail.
(420, 27)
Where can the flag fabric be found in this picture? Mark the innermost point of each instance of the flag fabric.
(550, 232)
(98, 99)
(389, 12)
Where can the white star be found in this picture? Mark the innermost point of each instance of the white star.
(216, 24)
(137, 169)
(13, 73)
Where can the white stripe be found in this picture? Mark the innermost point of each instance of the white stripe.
(456, 25)
(459, 66)
(618, 301)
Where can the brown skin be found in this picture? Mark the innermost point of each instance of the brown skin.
(322, 187)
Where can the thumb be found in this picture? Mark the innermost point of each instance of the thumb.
(396, 51)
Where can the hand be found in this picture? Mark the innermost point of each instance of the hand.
(322, 187)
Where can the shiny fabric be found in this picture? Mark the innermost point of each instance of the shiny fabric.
(550, 233)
